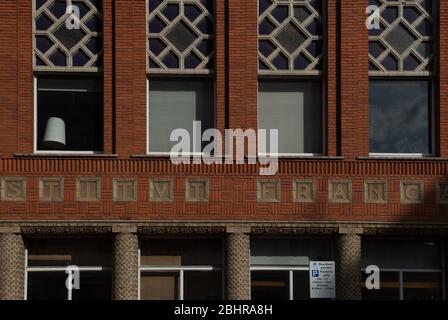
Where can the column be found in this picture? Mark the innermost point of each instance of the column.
(348, 264)
(12, 264)
(125, 265)
(237, 265)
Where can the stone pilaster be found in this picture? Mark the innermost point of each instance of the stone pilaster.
(12, 265)
(348, 264)
(237, 274)
(125, 266)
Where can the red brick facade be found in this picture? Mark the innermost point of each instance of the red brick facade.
(233, 188)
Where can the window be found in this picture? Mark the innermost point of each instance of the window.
(280, 266)
(175, 104)
(181, 269)
(400, 117)
(59, 43)
(47, 260)
(291, 44)
(290, 37)
(181, 36)
(69, 114)
(401, 62)
(181, 41)
(295, 109)
(409, 269)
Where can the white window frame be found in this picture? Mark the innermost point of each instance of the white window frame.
(401, 281)
(198, 155)
(324, 118)
(53, 152)
(180, 270)
(55, 269)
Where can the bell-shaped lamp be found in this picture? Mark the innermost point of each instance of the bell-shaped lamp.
(54, 136)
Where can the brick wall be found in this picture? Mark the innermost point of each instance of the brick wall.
(233, 189)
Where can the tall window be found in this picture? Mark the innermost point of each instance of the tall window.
(180, 42)
(401, 61)
(290, 44)
(67, 47)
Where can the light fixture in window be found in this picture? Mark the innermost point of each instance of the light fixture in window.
(69, 114)
(54, 137)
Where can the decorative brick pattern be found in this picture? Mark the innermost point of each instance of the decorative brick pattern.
(348, 267)
(233, 188)
(12, 266)
(237, 274)
(125, 267)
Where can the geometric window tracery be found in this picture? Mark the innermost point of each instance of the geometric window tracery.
(180, 36)
(61, 46)
(405, 40)
(290, 36)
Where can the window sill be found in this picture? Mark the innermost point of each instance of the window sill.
(64, 155)
(404, 158)
(280, 156)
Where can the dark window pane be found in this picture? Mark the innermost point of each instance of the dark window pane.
(47, 286)
(400, 117)
(270, 285)
(295, 109)
(181, 36)
(94, 286)
(202, 285)
(79, 103)
(200, 251)
(401, 254)
(289, 251)
(95, 24)
(301, 285)
(389, 287)
(43, 43)
(422, 286)
(65, 252)
(69, 37)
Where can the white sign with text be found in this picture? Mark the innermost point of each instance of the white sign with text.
(322, 280)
